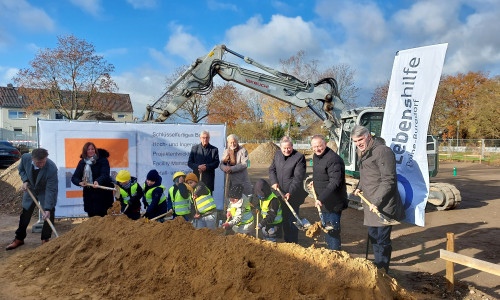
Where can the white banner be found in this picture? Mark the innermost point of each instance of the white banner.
(412, 91)
(136, 147)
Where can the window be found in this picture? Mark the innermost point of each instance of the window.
(59, 116)
(121, 116)
(36, 113)
(15, 114)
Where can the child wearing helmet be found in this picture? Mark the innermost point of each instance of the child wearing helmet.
(239, 211)
(130, 194)
(178, 197)
(154, 199)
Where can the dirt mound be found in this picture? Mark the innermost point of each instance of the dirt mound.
(117, 258)
(263, 154)
(250, 146)
(10, 185)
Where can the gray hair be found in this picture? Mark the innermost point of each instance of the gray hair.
(286, 139)
(318, 136)
(205, 132)
(359, 130)
(39, 154)
(233, 136)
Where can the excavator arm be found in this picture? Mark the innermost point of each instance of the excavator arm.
(284, 87)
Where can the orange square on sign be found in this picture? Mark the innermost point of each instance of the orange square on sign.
(117, 148)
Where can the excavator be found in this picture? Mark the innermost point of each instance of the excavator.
(198, 79)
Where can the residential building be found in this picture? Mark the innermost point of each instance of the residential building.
(17, 123)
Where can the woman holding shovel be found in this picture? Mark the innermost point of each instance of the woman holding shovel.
(91, 172)
(287, 172)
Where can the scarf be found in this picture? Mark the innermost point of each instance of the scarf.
(231, 156)
(87, 171)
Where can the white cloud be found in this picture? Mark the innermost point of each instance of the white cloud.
(92, 7)
(144, 85)
(6, 75)
(184, 44)
(23, 14)
(143, 4)
(279, 39)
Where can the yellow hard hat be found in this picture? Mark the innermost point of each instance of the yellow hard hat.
(177, 174)
(123, 176)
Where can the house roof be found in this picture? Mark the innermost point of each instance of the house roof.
(9, 97)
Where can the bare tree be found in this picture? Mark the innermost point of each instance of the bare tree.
(70, 78)
(379, 95)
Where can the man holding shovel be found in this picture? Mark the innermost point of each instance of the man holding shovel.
(378, 182)
(329, 186)
(39, 174)
(287, 172)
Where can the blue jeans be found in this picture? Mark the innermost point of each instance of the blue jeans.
(380, 237)
(333, 236)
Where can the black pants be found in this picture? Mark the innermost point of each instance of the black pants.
(25, 219)
(290, 231)
(380, 237)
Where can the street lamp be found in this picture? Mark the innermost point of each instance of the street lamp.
(458, 129)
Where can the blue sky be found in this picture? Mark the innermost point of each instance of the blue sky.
(146, 40)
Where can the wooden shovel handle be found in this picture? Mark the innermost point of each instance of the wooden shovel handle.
(42, 211)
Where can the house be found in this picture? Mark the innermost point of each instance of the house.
(16, 123)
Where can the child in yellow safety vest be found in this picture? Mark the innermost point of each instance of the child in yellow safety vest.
(179, 197)
(239, 211)
(154, 199)
(206, 211)
(130, 194)
(270, 208)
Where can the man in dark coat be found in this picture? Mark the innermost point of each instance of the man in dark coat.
(379, 184)
(39, 174)
(204, 159)
(329, 184)
(287, 173)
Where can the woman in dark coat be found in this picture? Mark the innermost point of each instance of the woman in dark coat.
(287, 172)
(93, 169)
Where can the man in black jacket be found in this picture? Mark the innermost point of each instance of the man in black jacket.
(329, 184)
(379, 184)
(204, 159)
(287, 172)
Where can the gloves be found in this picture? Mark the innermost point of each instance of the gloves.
(259, 225)
(226, 225)
(228, 214)
(145, 203)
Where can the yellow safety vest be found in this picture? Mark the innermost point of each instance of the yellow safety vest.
(181, 205)
(247, 215)
(205, 203)
(264, 206)
(125, 195)
(149, 194)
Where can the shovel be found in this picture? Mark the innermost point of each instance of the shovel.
(42, 211)
(170, 212)
(327, 226)
(301, 224)
(383, 219)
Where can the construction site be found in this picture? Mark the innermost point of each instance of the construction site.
(114, 257)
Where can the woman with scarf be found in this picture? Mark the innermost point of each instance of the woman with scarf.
(234, 164)
(93, 169)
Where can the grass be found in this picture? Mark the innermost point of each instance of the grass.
(493, 158)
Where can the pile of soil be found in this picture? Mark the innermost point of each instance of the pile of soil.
(263, 154)
(12, 195)
(250, 146)
(116, 258)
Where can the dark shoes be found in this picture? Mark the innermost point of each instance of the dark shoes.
(45, 241)
(15, 243)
